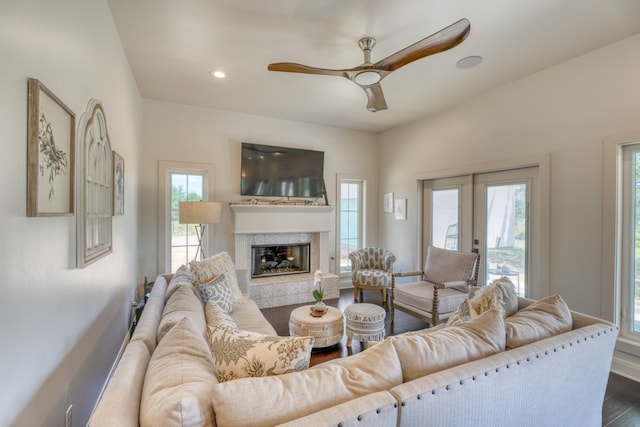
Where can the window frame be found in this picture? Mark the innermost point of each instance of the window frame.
(350, 179)
(611, 298)
(165, 170)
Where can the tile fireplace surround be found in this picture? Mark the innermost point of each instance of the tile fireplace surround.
(284, 224)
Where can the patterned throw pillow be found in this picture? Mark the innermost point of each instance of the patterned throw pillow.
(217, 290)
(206, 270)
(216, 316)
(242, 354)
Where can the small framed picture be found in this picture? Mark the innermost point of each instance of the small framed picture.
(50, 153)
(387, 202)
(118, 184)
(400, 209)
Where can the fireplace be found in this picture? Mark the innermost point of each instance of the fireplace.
(259, 225)
(279, 259)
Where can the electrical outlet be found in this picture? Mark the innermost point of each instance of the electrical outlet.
(67, 416)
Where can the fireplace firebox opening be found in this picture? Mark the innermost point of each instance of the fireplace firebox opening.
(279, 259)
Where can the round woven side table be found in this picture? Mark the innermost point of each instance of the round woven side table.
(327, 330)
(365, 322)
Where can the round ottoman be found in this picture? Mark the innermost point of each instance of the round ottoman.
(365, 322)
(327, 330)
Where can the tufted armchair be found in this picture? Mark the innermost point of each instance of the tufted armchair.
(444, 284)
(371, 268)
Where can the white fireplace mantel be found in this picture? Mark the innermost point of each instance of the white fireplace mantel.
(279, 219)
(263, 219)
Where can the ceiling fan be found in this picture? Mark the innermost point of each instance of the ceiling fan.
(369, 75)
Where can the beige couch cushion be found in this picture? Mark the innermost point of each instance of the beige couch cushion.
(183, 303)
(273, 400)
(206, 270)
(216, 316)
(147, 328)
(182, 277)
(248, 317)
(179, 379)
(127, 380)
(543, 319)
(242, 354)
(431, 351)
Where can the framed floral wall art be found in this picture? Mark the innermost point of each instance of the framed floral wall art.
(118, 184)
(50, 153)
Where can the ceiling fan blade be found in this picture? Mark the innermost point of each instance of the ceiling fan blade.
(375, 96)
(292, 67)
(440, 41)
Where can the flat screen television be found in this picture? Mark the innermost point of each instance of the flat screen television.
(272, 171)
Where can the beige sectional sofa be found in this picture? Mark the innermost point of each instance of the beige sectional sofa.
(451, 376)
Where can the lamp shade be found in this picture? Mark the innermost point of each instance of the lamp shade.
(199, 212)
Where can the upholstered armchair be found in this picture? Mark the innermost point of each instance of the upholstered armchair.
(372, 268)
(444, 284)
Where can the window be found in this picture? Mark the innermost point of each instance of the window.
(445, 212)
(630, 241)
(180, 182)
(351, 219)
(183, 238)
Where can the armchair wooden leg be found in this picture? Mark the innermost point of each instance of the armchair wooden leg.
(384, 296)
(356, 293)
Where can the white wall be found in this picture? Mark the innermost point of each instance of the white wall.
(192, 134)
(566, 111)
(61, 327)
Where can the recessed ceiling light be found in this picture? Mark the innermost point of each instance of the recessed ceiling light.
(469, 62)
(218, 74)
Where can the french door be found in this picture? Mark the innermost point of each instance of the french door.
(495, 213)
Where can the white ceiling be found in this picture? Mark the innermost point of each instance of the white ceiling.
(173, 45)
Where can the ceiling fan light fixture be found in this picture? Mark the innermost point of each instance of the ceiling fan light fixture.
(367, 78)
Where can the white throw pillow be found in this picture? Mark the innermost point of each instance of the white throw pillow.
(241, 354)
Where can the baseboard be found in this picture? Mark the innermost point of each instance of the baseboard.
(625, 368)
(125, 342)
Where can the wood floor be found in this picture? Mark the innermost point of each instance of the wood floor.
(622, 400)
